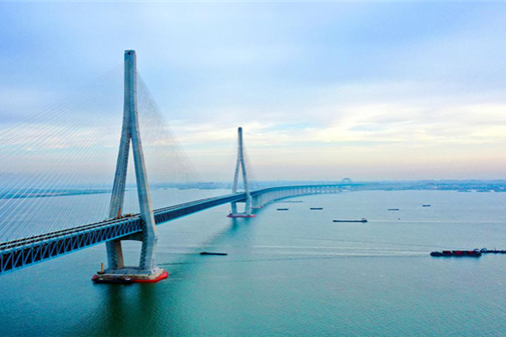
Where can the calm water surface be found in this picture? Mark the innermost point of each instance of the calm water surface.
(293, 273)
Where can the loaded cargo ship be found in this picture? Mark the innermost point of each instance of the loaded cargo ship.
(458, 253)
(474, 253)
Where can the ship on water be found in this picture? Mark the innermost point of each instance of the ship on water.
(360, 220)
(457, 253)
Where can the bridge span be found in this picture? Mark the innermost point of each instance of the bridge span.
(21, 253)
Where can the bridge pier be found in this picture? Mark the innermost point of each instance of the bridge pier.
(256, 202)
(146, 271)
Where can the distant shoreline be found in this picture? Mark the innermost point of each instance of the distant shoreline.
(459, 186)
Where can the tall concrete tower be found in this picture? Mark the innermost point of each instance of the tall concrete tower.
(241, 166)
(131, 133)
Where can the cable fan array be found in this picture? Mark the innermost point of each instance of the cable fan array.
(58, 164)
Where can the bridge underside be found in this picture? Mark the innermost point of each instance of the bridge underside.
(24, 252)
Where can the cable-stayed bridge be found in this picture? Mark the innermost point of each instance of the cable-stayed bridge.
(35, 248)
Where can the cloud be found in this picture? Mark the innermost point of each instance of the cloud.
(320, 89)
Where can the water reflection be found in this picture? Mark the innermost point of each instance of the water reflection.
(157, 309)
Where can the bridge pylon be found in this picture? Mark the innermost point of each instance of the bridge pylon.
(130, 134)
(241, 166)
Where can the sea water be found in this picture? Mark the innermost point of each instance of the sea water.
(290, 273)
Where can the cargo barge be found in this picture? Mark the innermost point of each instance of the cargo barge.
(361, 220)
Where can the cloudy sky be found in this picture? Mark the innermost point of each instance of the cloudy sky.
(371, 91)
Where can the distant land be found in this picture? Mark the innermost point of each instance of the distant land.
(444, 185)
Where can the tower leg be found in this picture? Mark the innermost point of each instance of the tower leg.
(115, 255)
(148, 250)
(247, 208)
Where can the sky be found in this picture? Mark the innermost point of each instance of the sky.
(323, 90)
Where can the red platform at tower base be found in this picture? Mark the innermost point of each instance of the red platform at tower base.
(162, 276)
(128, 278)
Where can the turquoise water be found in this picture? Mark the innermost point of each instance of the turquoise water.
(293, 273)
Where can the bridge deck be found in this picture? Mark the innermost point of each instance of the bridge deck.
(20, 253)
(27, 251)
